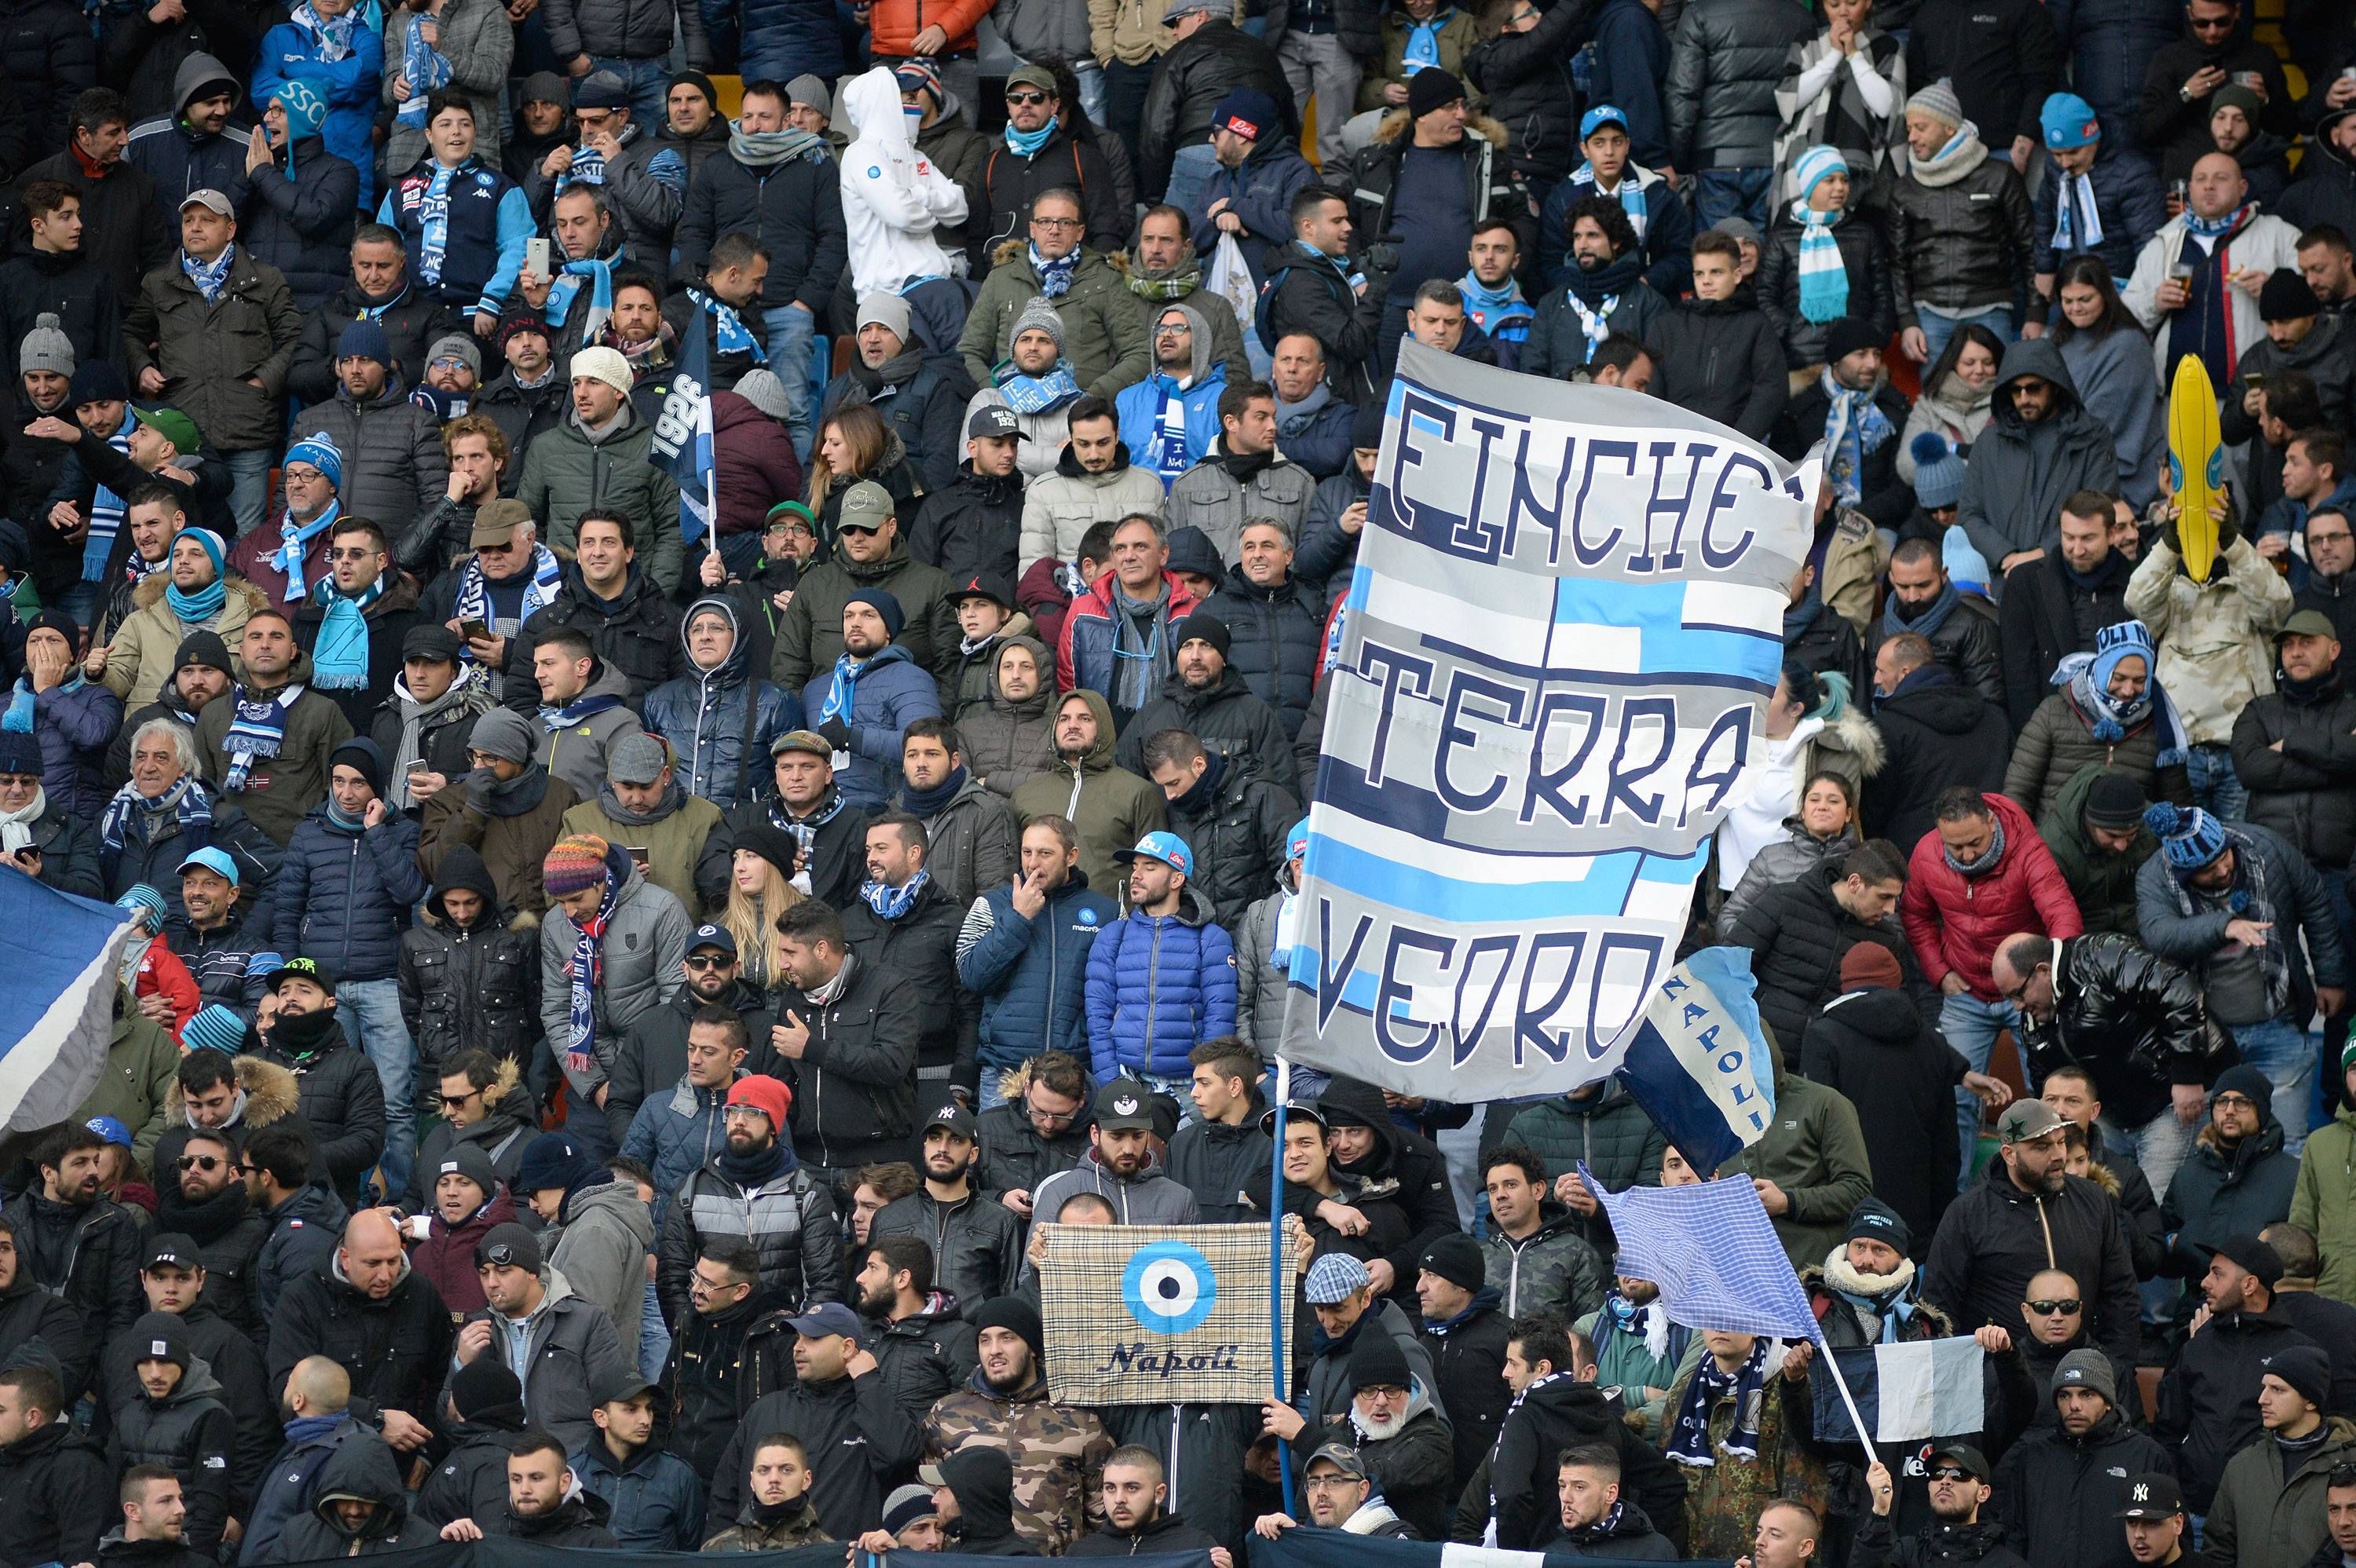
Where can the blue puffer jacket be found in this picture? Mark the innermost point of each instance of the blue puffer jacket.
(779, 39)
(1140, 410)
(1032, 974)
(351, 85)
(75, 722)
(672, 1134)
(2111, 43)
(711, 718)
(892, 689)
(1159, 985)
(345, 893)
(2128, 196)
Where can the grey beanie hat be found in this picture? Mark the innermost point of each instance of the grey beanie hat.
(889, 309)
(2086, 1369)
(458, 346)
(810, 88)
(760, 387)
(505, 735)
(1041, 317)
(46, 347)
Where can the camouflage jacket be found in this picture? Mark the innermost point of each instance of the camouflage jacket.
(747, 1535)
(1059, 1452)
(2216, 639)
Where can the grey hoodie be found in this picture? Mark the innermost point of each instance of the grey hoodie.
(577, 752)
(600, 1244)
(2020, 474)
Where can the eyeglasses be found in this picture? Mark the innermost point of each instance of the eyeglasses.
(2055, 1308)
(1027, 96)
(791, 528)
(202, 1162)
(1329, 1483)
(1053, 1118)
(2314, 538)
(2239, 1102)
(1172, 329)
(743, 1112)
(696, 1282)
(447, 362)
(1054, 223)
(244, 1170)
(708, 961)
(1952, 1473)
(359, 553)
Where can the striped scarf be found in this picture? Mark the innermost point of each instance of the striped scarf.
(210, 277)
(1823, 277)
(187, 801)
(1689, 1442)
(474, 598)
(432, 231)
(427, 69)
(331, 36)
(256, 730)
(106, 512)
(295, 542)
(729, 333)
(1631, 194)
(890, 902)
(588, 969)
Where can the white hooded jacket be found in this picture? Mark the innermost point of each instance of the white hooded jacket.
(894, 198)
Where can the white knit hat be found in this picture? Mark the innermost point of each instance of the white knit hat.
(606, 365)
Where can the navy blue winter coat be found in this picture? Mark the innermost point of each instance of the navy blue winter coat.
(676, 1130)
(1667, 241)
(711, 718)
(2128, 195)
(1159, 985)
(2111, 43)
(892, 689)
(345, 894)
(1032, 974)
(75, 722)
(778, 40)
(1261, 194)
(302, 225)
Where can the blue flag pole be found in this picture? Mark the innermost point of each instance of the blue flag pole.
(1283, 1352)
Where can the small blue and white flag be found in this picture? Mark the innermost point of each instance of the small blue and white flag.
(60, 1019)
(682, 439)
(1907, 1393)
(1713, 1252)
(1696, 1063)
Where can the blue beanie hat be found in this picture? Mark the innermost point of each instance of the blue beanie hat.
(320, 451)
(1814, 165)
(306, 102)
(883, 603)
(365, 339)
(2069, 122)
(21, 753)
(1938, 472)
(552, 1159)
(217, 1027)
(143, 899)
(2117, 641)
(2189, 837)
(211, 543)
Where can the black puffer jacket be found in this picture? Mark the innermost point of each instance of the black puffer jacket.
(410, 321)
(227, 1229)
(1723, 359)
(342, 1099)
(970, 525)
(1797, 935)
(1884, 497)
(2207, 1413)
(1966, 642)
(2059, 1495)
(1963, 245)
(791, 1223)
(1724, 67)
(1872, 286)
(926, 1354)
(653, 1056)
(28, 1312)
(2126, 1015)
(1937, 732)
(1189, 82)
(472, 989)
(56, 1494)
(794, 208)
(1528, 80)
(1227, 717)
(1560, 1411)
(2302, 790)
(854, 1097)
(1876, 1047)
(51, 55)
(1237, 836)
(396, 1351)
(918, 951)
(344, 894)
(1996, 1238)
(393, 463)
(1277, 638)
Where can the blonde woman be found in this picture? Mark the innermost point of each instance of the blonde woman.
(760, 888)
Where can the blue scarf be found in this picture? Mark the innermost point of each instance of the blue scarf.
(200, 606)
(585, 707)
(106, 511)
(433, 229)
(295, 542)
(1500, 312)
(474, 598)
(844, 693)
(729, 333)
(2071, 192)
(19, 719)
(331, 37)
(805, 829)
(1855, 428)
(890, 902)
(427, 69)
(210, 277)
(339, 660)
(1040, 394)
(2110, 721)
(1169, 458)
(256, 732)
(304, 1428)
(600, 276)
(1631, 194)
(1689, 1441)
(1823, 277)
(589, 966)
(187, 801)
(924, 803)
(1023, 143)
(1927, 621)
(2216, 228)
(1422, 51)
(1055, 277)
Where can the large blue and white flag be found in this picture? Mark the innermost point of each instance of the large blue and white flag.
(1713, 1252)
(59, 1016)
(682, 439)
(1306, 1548)
(1905, 1394)
(1696, 1063)
(1565, 619)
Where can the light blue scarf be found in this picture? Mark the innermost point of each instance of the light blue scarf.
(599, 275)
(433, 224)
(1631, 194)
(843, 693)
(1422, 51)
(426, 68)
(106, 512)
(1823, 277)
(19, 719)
(729, 333)
(339, 661)
(1055, 277)
(1855, 428)
(332, 37)
(890, 902)
(295, 540)
(1025, 142)
(210, 277)
(1040, 394)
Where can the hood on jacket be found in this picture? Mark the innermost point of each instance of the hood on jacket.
(1366, 1106)
(729, 671)
(151, 588)
(1036, 705)
(462, 868)
(1933, 697)
(1199, 332)
(609, 682)
(362, 1472)
(1883, 1014)
(618, 1199)
(2031, 356)
(198, 74)
(872, 103)
(982, 1481)
(1099, 757)
(271, 1093)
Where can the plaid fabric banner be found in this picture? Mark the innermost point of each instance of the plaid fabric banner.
(1157, 1314)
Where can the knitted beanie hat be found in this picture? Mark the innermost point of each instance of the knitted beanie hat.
(46, 347)
(1038, 316)
(1814, 165)
(576, 861)
(2190, 838)
(215, 1027)
(1939, 102)
(1938, 472)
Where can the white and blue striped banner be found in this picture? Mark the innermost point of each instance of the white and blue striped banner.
(1564, 622)
(60, 1016)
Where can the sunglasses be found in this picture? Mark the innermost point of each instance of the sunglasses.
(708, 961)
(203, 1162)
(457, 1099)
(2055, 1308)
(1028, 96)
(861, 529)
(1952, 1473)
(361, 554)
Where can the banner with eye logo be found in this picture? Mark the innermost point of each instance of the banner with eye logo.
(1158, 1314)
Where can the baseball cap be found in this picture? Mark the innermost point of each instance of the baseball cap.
(954, 1117)
(616, 1384)
(214, 858)
(111, 1129)
(1037, 76)
(172, 1249)
(495, 522)
(171, 424)
(209, 198)
(309, 969)
(1334, 1278)
(1124, 1105)
(2246, 1251)
(2151, 1495)
(1343, 1457)
(809, 741)
(995, 419)
(2026, 1120)
(1166, 847)
(2308, 623)
(832, 1318)
(987, 585)
(1964, 1455)
(708, 934)
(1294, 1111)
(866, 505)
(1601, 115)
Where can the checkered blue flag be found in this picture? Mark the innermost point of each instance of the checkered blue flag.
(1714, 1254)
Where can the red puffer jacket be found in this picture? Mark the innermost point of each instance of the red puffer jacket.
(447, 1256)
(1955, 922)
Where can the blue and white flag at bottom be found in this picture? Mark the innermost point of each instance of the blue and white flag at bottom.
(60, 1019)
(1697, 1061)
(1713, 1252)
(1309, 1548)
(682, 439)
(1923, 1388)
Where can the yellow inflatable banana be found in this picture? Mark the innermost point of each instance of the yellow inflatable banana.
(2196, 463)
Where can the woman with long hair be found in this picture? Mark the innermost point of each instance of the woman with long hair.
(2113, 371)
(1956, 391)
(853, 444)
(760, 888)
